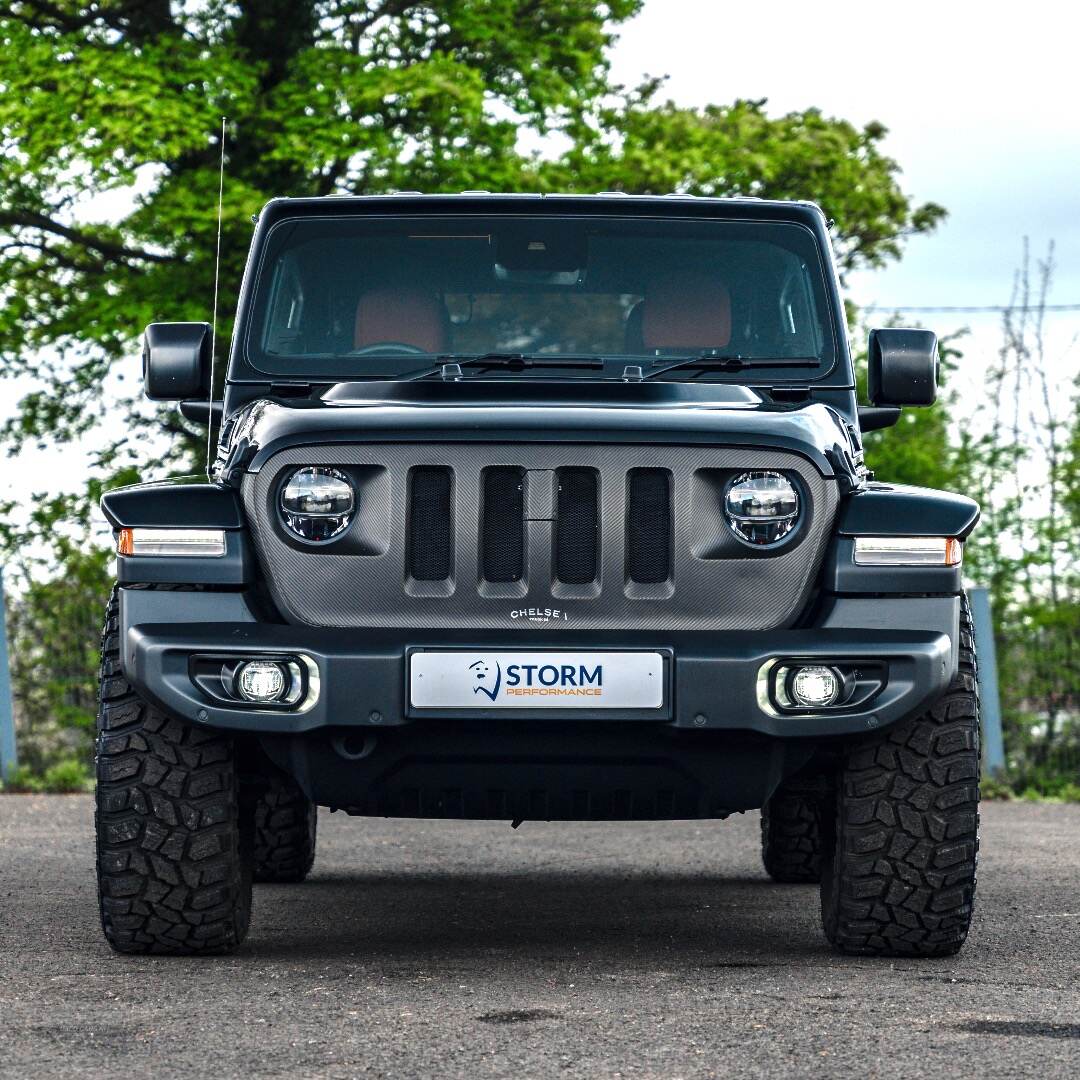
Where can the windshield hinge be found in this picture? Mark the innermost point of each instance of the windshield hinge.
(290, 389)
(633, 373)
(451, 373)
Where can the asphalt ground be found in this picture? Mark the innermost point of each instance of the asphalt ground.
(466, 949)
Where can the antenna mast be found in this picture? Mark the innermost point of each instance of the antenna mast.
(213, 323)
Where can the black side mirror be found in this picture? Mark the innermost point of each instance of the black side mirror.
(176, 361)
(902, 367)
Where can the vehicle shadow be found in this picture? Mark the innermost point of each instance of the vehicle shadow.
(638, 917)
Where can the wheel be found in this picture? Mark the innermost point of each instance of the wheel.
(285, 822)
(173, 860)
(898, 876)
(791, 837)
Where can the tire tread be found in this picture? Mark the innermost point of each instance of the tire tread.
(900, 876)
(172, 871)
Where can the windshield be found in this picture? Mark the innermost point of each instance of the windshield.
(376, 297)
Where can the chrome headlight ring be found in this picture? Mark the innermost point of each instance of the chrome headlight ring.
(317, 503)
(762, 507)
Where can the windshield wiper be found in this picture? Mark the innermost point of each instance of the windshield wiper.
(714, 360)
(450, 366)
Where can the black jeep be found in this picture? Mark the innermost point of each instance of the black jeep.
(539, 508)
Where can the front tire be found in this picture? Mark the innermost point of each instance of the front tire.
(898, 877)
(173, 855)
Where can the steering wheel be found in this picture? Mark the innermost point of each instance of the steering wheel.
(399, 348)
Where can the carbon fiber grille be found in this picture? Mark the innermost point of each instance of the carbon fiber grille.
(502, 543)
(576, 527)
(431, 524)
(478, 535)
(648, 526)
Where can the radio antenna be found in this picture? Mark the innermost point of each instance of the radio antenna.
(213, 324)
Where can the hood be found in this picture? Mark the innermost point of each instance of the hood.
(533, 410)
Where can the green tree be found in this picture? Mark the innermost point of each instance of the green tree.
(1021, 459)
(336, 96)
(323, 97)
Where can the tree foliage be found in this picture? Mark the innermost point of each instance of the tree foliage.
(322, 98)
(110, 120)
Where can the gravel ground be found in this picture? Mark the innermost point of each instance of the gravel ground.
(464, 949)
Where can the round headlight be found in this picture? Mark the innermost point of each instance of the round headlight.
(317, 503)
(761, 507)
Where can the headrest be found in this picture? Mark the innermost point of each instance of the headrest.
(686, 311)
(407, 315)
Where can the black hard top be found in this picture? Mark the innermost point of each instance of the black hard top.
(606, 202)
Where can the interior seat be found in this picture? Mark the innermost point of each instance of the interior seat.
(683, 312)
(405, 315)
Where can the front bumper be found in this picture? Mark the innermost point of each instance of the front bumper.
(715, 680)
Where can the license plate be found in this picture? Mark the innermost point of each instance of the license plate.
(504, 679)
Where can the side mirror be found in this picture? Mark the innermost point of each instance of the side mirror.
(902, 367)
(176, 361)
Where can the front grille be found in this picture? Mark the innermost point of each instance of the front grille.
(576, 527)
(545, 537)
(430, 555)
(648, 526)
(502, 548)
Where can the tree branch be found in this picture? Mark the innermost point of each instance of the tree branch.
(32, 220)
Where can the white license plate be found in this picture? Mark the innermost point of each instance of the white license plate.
(506, 679)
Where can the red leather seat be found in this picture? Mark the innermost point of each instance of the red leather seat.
(686, 311)
(405, 315)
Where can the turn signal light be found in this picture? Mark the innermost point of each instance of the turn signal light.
(205, 543)
(908, 551)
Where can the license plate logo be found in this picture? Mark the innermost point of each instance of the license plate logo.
(537, 680)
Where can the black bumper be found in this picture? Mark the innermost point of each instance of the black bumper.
(715, 681)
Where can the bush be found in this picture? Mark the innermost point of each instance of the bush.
(996, 790)
(22, 781)
(65, 777)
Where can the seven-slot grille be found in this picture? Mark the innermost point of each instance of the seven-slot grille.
(477, 535)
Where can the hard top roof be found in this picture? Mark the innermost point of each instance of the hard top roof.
(603, 203)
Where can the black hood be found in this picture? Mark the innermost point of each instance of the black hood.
(533, 410)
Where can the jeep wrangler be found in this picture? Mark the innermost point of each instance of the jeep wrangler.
(538, 508)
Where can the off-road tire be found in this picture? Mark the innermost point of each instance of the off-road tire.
(285, 823)
(791, 837)
(898, 876)
(173, 856)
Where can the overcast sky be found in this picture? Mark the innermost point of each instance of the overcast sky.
(982, 102)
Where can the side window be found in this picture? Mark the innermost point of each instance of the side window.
(286, 311)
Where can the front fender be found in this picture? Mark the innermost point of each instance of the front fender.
(174, 504)
(898, 510)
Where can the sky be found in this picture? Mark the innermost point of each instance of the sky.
(983, 110)
(982, 103)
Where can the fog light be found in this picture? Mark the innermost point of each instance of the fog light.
(262, 681)
(814, 687)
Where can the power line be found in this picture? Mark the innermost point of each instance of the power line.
(972, 309)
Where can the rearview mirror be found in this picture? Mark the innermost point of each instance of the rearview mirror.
(176, 361)
(902, 367)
